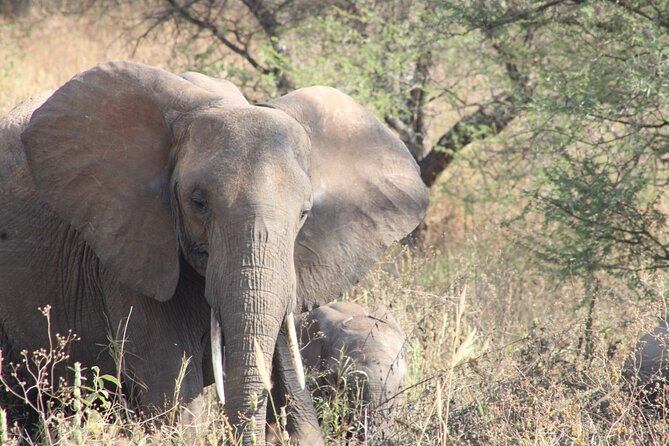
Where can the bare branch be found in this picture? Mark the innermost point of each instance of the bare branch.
(491, 118)
(659, 19)
(266, 18)
(186, 14)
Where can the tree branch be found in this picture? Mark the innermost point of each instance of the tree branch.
(663, 22)
(490, 118)
(185, 13)
(416, 102)
(267, 20)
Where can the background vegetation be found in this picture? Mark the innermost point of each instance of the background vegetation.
(541, 128)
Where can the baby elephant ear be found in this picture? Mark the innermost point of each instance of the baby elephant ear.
(367, 192)
(99, 152)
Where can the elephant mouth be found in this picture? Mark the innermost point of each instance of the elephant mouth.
(218, 353)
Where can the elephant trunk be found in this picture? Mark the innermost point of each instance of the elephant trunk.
(250, 289)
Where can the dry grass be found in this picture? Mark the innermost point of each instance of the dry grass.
(499, 352)
(517, 365)
(43, 50)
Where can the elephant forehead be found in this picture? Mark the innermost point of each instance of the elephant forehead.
(245, 132)
(340, 310)
(242, 152)
(371, 329)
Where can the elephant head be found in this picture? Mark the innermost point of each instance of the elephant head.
(647, 370)
(280, 206)
(343, 337)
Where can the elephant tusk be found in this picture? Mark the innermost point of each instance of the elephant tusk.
(295, 356)
(217, 357)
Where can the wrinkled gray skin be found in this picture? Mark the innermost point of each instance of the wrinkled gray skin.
(136, 195)
(648, 369)
(344, 337)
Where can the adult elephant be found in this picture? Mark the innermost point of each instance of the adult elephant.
(137, 198)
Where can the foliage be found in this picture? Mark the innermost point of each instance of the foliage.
(587, 82)
(369, 54)
(605, 142)
(594, 127)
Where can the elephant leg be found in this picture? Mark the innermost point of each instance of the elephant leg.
(159, 393)
(193, 418)
(158, 378)
(302, 421)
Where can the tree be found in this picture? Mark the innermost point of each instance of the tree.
(236, 39)
(569, 95)
(580, 84)
(599, 123)
(402, 57)
(594, 120)
(380, 52)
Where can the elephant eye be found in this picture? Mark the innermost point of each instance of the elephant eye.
(303, 216)
(198, 201)
(306, 210)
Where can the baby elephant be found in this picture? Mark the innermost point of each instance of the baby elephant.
(343, 342)
(346, 348)
(648, 370)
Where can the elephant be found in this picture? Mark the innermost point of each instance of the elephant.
(342, 345)
(647, 371)
(343, 338)
(168, 210)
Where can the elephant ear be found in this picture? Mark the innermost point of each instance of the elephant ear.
(228, 91)
(367, 192)
(99, 152)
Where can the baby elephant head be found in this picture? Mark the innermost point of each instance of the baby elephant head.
(280, 206)
(647, 370)
(343, 340)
